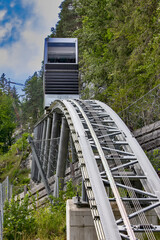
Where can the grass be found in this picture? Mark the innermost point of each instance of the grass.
(22, 222)
(10, 164)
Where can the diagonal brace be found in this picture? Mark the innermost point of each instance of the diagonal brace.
(42, 174)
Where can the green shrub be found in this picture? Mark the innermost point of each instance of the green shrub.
(18, 219)
(48, 222)
(21, 144)
(154, 157)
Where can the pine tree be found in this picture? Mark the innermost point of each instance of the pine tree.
(119, 49)
(68, 20)
(4, 84)
(7, 121)
(32, 105)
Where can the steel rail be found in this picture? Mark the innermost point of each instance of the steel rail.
(109, 174)
(135, 202)
(109, 227)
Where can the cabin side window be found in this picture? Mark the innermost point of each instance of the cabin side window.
(61, 53)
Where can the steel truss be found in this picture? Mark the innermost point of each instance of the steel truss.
(115, 170)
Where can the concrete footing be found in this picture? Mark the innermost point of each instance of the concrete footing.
(79, 223)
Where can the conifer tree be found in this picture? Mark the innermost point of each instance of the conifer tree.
(68, 20)
(7, 121)
(32, 105)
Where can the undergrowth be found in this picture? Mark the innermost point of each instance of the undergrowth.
(10, 164)
(154, 157)
(25, 221)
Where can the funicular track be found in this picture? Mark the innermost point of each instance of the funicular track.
(115, 170)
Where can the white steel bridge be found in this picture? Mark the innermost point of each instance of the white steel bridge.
(113, 165)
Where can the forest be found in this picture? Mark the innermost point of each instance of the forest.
(19, 114)
(119, 58)
(119, 53)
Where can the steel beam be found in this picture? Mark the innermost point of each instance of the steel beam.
(42, 174)
(34, 168)
(62, 156)
(47, 144)
(52, 159)
(131, 188)
(42, 146)
(107, 218)
(74, 155)
(132, 215)
(124, 165)
(109, 174)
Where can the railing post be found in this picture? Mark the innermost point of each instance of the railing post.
(1, 202)
(62, 156)
(1, 226)
(8, 192)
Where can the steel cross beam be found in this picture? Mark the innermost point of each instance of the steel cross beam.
(42, 173)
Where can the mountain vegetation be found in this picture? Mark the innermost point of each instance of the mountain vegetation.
(119, 59)
(118, 47)
(19, 114)
(26, 220)
(7, 114)
(32, 104)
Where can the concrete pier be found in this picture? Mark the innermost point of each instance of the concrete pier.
(79, 223)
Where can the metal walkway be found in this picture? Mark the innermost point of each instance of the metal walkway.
(115, 170)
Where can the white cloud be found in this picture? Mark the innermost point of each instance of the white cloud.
(12, 4)
(2, 14)
(24, 57)
(6, 29)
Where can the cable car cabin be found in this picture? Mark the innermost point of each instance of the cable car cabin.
(60, 69)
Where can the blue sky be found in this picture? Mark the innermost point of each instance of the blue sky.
(23, 26)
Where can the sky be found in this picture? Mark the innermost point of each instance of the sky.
(24, 24)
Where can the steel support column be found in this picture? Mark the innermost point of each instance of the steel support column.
(74, 155)
(41, 172)
(53, 145)
(62, 156)
(47, 144)
(42, 147)
(34, 168)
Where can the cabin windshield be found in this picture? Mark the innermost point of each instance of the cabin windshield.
(61, 53)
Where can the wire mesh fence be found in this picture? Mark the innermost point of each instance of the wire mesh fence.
(5, 194)
(144, 111)
(47, 152)
(143, 119)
